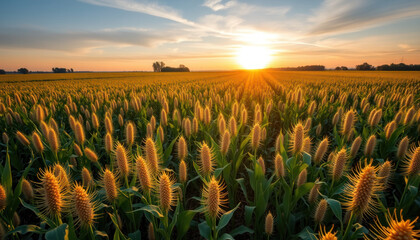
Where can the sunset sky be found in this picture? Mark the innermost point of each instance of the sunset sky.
(125, 35)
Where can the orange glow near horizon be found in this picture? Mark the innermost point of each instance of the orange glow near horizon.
(254, 57)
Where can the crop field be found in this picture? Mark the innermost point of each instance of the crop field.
(210, 155)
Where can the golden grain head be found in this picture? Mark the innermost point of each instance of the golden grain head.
(269, 222)
(225, 143)
(214, 198)
(320, 211)
(130, 133)
(108, 142)
(370, 145)
(36, 141)
(403, 147)
(412, 162)
(84, 206)
(297, 138)
(256, 136)
(313, 194)
(22, 138)
(122, 159)
(183, 172)
(143, 174)
(27, 190)
(321, 150)
(355, 146)
(206, 159)
(79, 133)
(182, 148)
(91, 155)
(53, 140)
(348, 122)
(339, 164)
(396, 228)
(52, 193)
(302, 177)
(152, 156)
(165, 192)
(110, 185)
(86, 177)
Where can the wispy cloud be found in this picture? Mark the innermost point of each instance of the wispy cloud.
(217, 5)
(338, 16)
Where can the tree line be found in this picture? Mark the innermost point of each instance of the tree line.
(161, 67)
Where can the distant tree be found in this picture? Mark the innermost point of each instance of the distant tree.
(338, 68)
(344, 68)
(23, 70)
(2, 71)
(157, 66)
(59, 70)
(398, 67)
(71, 70)
(181, 68)
(311, 68)
(365, 67)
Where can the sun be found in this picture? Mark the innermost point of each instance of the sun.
(253, 57)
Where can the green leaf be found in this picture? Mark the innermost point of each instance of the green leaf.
(226, 237)
(307, 158)
(6, 177)
(59, 233)
(248, 214)
(302, 190)
(184, 221)
(336, 208)
(135, 235)
(39, 214)
(307, 233)
(24, 229)
(204, 230)
(218, 171)
(241, 230)
(153, 209)
(224, 220)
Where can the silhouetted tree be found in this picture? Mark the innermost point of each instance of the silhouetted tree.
(338, 68)
(344, 68)
(311, 68)
(59, 70)
(398, 67)
(23, 70)
(71, 70)
(2, 71)
(157, 66)
(181, 68)
(365, 67)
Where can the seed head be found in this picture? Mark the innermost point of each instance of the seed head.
(182, 148)
(390, 128)
(324, 235)
(262, 164)
(313, 194)
(412, 162)
(91, 155)
(84, 206)
(279, 166)
(397, 228)
(130, 133)
(110, 185)
(256, 136)
(36, 141)
(321, 150)
(302, 177)
(370, 145)
(152, 156)
(183, 172)
(320, 211)
(151, 232)
(165, 192)
(402, 148)
(52, 193)
(339, 164)
(143, 174)
(79, 133)
(355, 146)
(297, 138)
(269, 220)
(53, 140)
(225, 143)
(22, 138)
(108, 143)
(385, 172)
(86, 177)
(27, 190)
(214, 198)
(348, 122)
(3, 198)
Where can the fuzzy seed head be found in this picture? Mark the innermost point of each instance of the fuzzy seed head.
(256, 136)
(151, 232)
(22, 138)
(390, 128)
(79, 133)
(109, 183)
(384, 173)
(403, 147)
(324, 235)
(339, 164)
(370, 145)
(269, 220)
(412, 163)
(320, 211)
(83, 206)
(53, 140)
(86, 177)
(91, 155)
(262, 164)
(206, 160)
(108, 143)
(397, 228)
(321, 150)
(36, 141)
(27, 190)
(214, 198)
(52, 192)
(108, 125)
(297, 139)
(313, 194)
(182, 148)
(279, 166)
(152, 157)
(166, 193)
(232, 126)
(302, 177)
(225, 143)
(355, 146)
(61, 173)
(183, 172)
(130, 133)
(122, 159)
(348, 122)
(143, 174)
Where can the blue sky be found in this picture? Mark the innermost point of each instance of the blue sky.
(205, 34)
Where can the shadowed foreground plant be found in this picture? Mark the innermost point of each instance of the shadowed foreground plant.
(396, 228)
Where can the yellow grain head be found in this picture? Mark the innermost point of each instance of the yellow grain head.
(108, 143)
(279, 166)
(403, 147)
(22, 138)
(195, 125)
(161, 133)
(324, 235)
(183, 172)
(412, 162)
(120, 120)
(53, 140)
(77, 150)
(62, 174)
(79, 133)
(163, 118)
(297, 139)
(40, 113)
(385, 172)
(362, 190)
(398, 117)
(214, 198)
(206, 160)
(355, 146)
(207, 115)
(221, 124)
(122, 159)
(72, 122)
(390, 128)
(149, 130)
(36, 141)
(318, 129)
(152, 156)
(187, 127)
(143, 174)
(232, 126)
(27, 190)
(91, 155)
(130, 133)
(3, 198)
(52, 193)
(409, 116)
(396, 228)
(376, 117)
(44, 128)
(262, 164)
(320, 151)
(307, 144)
(370, 145)
(84, 206)
(320, 211)
(165, 192)
(269, 222)
(313, 194)
(279, 141)
(303, 175)
(86, 177)
(225, 143)
(95, 121)
(348, 122)
(244, 116)
(256, 136)
(339, 164)
(336, 118)
(110, 185)
(182, 148)
(108, 124)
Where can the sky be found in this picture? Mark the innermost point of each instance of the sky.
(129, 35)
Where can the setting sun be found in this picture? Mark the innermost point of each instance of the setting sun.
(253, 57)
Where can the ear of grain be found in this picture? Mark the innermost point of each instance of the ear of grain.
(396, 227)
(206, 160)
(143, 174)
(3, 198)
(320, 151)
(412, 162)
(269, 221)
(214, 198)
(225, 143)
(320, 211)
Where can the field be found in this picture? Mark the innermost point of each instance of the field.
(215, 155)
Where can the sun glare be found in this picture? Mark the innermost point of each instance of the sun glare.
(253, 57)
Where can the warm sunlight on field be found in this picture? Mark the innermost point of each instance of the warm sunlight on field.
(217, 155)
(253, 57)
